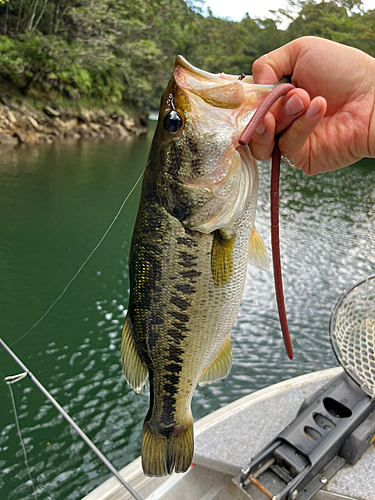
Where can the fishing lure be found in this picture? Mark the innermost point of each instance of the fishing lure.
(245, 138)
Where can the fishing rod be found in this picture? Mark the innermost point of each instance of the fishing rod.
(85, 438)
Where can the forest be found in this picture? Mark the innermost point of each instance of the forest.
(122, 52)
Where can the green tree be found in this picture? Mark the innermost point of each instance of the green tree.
(123, 51)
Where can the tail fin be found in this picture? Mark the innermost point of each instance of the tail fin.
(161, 454)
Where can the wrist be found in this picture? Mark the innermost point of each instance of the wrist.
(371, 136)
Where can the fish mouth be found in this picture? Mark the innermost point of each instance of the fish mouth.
(219, 90)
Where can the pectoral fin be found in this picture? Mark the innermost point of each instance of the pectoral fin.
(222, 257)
(257, 252)
(221, 365)
(136, 372)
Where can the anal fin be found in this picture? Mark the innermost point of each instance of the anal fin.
(221, 365)
(135, 371)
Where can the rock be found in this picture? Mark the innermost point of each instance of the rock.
(31, 137)
(21, 138)
(56, 122)
(20, 123)
(128, 123)
(7, 102)
(95, 126)
(6, 139)
(56, 133)
(139, 130)
(84, 131)
(5, 123)
(121, 131)
(70, 134)
(85, 115)
(143, 120)
(70, 124)
(105, 120)
(11, 117)
(33, 122)
(53, 113)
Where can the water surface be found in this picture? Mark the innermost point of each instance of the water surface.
(56, 202)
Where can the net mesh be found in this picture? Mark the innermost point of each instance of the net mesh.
(352, 333)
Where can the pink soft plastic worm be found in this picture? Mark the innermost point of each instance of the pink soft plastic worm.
(245, 138)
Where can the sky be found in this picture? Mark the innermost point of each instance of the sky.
(236, 9)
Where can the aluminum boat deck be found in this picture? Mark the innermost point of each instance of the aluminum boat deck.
(226, 440)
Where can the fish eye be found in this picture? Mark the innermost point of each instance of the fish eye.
(173, 122)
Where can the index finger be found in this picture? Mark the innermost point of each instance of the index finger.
(270, 68)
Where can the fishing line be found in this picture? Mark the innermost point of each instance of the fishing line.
(82, 266)
(12, 379)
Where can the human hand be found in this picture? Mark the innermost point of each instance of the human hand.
(337, 126)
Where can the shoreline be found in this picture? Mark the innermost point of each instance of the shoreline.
(24, 124)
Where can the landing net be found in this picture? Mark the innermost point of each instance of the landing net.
(352, 331)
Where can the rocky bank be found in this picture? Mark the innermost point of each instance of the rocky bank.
(21, 123)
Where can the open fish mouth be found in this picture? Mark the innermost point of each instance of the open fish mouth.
(219, 90)
(204, 76)
(228, 101)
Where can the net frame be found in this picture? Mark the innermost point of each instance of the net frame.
(352, 333)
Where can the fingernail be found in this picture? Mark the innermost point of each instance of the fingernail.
(261, 129)
(294, 105)
(313, 109)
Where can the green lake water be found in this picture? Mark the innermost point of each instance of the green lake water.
(56, 203)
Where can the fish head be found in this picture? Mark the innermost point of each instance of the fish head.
(205, 177)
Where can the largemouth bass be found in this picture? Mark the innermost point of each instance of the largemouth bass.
(192, 240)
